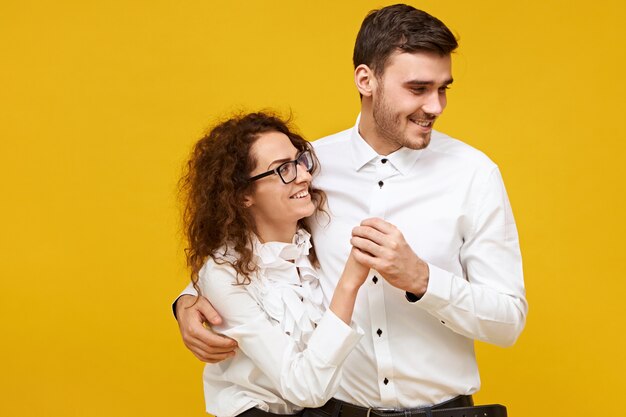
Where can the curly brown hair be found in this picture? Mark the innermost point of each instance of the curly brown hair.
(215, 184)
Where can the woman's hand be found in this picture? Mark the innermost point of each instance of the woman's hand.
(354, 273)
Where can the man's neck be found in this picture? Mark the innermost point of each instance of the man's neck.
(369, 133)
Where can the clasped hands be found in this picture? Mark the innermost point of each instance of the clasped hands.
(378, 245)
(381, 246)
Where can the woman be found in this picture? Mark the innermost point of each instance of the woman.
(248, 193)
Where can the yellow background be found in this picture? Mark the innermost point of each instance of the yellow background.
(101, 101)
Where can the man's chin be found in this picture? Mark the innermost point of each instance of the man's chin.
(419, 142)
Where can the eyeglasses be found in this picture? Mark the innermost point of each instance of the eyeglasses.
(288, 171)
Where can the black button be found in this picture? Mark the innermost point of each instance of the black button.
(384, 160)
(385, 381)
(379, 332)
(380, 184)
(375, 279)
(443, 322)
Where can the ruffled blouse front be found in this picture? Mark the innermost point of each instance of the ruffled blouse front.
(290, 351)
(287, 287)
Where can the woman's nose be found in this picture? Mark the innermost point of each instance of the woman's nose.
(303, 174)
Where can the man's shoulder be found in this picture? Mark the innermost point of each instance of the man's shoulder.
(444, 145)
(332, 140)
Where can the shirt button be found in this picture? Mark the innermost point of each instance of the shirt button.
(380, 184)
(384, 160)
(385, 381)
(379, 332)
(375, 279)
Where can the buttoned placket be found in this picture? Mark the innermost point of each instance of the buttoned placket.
(382, 173)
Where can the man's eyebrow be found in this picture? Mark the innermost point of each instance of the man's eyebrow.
(427, 83)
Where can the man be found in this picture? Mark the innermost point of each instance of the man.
(430, 214)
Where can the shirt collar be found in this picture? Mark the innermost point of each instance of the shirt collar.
(362, 153)
(272, 254)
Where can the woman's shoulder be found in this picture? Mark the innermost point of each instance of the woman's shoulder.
(218, 271)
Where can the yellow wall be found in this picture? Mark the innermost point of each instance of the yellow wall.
(101, 101)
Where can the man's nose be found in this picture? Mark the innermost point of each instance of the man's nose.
(435, 104)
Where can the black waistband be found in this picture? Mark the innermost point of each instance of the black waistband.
(461, 406)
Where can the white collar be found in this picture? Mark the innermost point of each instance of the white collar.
(272, 254)
(403, 159)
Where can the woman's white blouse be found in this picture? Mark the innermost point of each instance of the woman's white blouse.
(290, 350)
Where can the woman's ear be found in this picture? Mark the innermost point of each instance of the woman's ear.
(248, 201)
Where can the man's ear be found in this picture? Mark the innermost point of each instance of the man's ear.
(365, 80)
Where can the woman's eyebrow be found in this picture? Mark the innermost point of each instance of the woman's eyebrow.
(280, 161)
(277, 161)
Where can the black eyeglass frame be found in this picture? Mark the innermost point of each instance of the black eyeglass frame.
(276, 170)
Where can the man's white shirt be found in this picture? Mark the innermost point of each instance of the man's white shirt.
(449, 202)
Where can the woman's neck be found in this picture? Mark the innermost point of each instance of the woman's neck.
(274, 233)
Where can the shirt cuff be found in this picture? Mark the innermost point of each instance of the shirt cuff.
(439, 288)
(189, 290)
(333, 339)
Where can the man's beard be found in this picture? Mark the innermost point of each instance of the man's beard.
(388, 126)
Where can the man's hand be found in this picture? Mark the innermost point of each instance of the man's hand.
(383, 248)
(203, 342)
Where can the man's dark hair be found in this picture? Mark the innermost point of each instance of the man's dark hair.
(399, 27)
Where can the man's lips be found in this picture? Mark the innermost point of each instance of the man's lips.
(427, 123)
